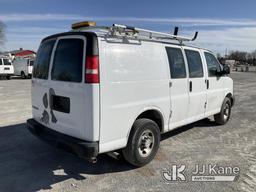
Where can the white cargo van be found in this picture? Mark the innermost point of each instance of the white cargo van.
(23, 67)
(6, 68)
(116, 89)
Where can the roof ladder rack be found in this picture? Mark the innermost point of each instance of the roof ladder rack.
(158, 35)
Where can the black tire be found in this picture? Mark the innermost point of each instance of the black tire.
(224, 115)
(144, 133)
(23, 76)
(8, 77)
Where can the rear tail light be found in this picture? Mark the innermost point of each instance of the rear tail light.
(92, 69)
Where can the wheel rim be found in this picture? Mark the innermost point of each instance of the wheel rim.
(226, 111)
(146, 143)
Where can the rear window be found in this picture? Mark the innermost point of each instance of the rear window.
(41, 68)
(7, 62)
(68, 60)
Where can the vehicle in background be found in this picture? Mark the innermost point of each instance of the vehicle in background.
(6, 68)
(23, 67)
(116, 89)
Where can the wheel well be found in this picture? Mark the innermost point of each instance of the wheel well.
(153, 115)
(229, 95)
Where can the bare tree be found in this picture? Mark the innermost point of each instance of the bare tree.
(2, 33)
(238, 56)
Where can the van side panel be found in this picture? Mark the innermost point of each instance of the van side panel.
(20, 65)
(133, 79)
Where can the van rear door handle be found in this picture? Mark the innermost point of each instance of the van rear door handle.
(190, 86)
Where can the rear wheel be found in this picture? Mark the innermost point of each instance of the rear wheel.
(143, 142)
(23, 76)
(224, 115)
(8, 77)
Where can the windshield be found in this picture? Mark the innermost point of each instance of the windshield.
(7, 62)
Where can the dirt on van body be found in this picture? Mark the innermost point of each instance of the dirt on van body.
(28, 164)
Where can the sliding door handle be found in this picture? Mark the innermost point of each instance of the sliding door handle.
(190, 86)
(207, 83)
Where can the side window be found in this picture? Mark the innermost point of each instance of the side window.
(194, 64)
(41, 68)
(176, 62)
(212, 64)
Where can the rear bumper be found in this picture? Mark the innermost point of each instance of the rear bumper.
(6, 74)
(84, 149)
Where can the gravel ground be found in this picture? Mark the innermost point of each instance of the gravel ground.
(28, 164)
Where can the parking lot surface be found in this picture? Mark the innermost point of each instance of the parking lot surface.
(27, 164)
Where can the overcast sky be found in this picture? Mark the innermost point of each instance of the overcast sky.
(222, 24)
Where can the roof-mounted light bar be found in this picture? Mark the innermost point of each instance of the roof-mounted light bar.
(83, 24)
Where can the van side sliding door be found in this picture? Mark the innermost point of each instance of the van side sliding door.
(178, 86)
(197, 85)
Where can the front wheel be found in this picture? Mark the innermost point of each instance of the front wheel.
(8, 77)
(143, 142)
(224, 115)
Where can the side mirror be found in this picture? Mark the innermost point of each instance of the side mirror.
(226, 70)
(214, 72)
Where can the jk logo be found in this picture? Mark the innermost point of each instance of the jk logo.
(175, 174)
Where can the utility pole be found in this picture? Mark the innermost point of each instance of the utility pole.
(226, 53)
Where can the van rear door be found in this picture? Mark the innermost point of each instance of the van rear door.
(62, 100)
(1, 66)
(30, 66)
(6, 67)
